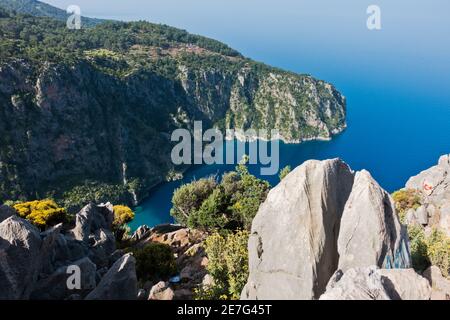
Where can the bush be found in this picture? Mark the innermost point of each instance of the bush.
(189, 197)
(42, 213)
(406, 199)
(227, 264)
(154, 261)
(122, 215)
(232, 204)
(432, 249)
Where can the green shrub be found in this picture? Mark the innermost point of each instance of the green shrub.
(42, 213)
(232, 204)
(154, 261)
(227, 264)
(432, 249)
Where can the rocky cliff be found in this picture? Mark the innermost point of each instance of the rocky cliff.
(100, 104)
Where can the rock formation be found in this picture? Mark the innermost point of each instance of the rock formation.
(321, 217)
(433, 186)
(38, 265)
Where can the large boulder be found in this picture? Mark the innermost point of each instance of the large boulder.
(55, 286)
(20, 259)
(356, 284)
(293, 242)
(370, 232)
(92, 218)
(440, 285)
(371, 283)
(119, 283)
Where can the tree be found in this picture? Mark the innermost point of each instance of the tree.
(284, 172)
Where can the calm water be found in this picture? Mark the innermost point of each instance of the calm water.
(396, 80)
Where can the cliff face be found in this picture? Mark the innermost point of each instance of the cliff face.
(104, 110)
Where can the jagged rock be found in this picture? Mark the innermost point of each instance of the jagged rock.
(48, 248)
(422, 215)
(434, 182)
(356, 284)
(92, 218)
(6, 212)
(141, 233)
(293, 242)
(119, 283)
(371, 283)
(161, 291)
(20, 259)
(142, 294)
(440, 285)
(370, 231)
(104, 244)
(444, 217)
(55, 286)
(405, 284)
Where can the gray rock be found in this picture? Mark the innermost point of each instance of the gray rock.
(370, 231)
(142, 294)
(371, 283)
(422, 215)
(20, 259)
(119, 283)
(92, 218)
(405, 284)
(55, 286)
(6, 212)
(141, 233)
(293, 242)
(440, 285)
(104, 244)
(161, 291)
(444, 218)
(49, 247)
(357, 284)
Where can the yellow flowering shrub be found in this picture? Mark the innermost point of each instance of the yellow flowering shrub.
(41, 213)
(122, 215)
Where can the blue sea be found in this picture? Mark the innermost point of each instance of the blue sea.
(396, 80)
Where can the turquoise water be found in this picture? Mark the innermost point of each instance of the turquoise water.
(396, 80)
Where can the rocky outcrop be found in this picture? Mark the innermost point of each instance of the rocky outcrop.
(370, 232)
(440, 285)
(191, 260)
(20, 258)
(433, 185)
(95, 121)
(119, 283)
(39, 266)
(371, 283)
(320, 217)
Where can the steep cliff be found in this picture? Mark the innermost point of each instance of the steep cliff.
(100, 104)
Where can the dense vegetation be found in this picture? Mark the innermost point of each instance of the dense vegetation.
(231, 204)
(227, 264)
(42, 213)
(428, 247)
(154, 261)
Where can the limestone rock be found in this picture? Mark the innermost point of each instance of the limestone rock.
(440, 285)
(55, 286)
(371, 283)
(405, 284)
(357, 284)
(293, 242)
(119, 283)
(20, 259)
(92, 218)
(161, 291)
(370, 231)
(141, 233)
